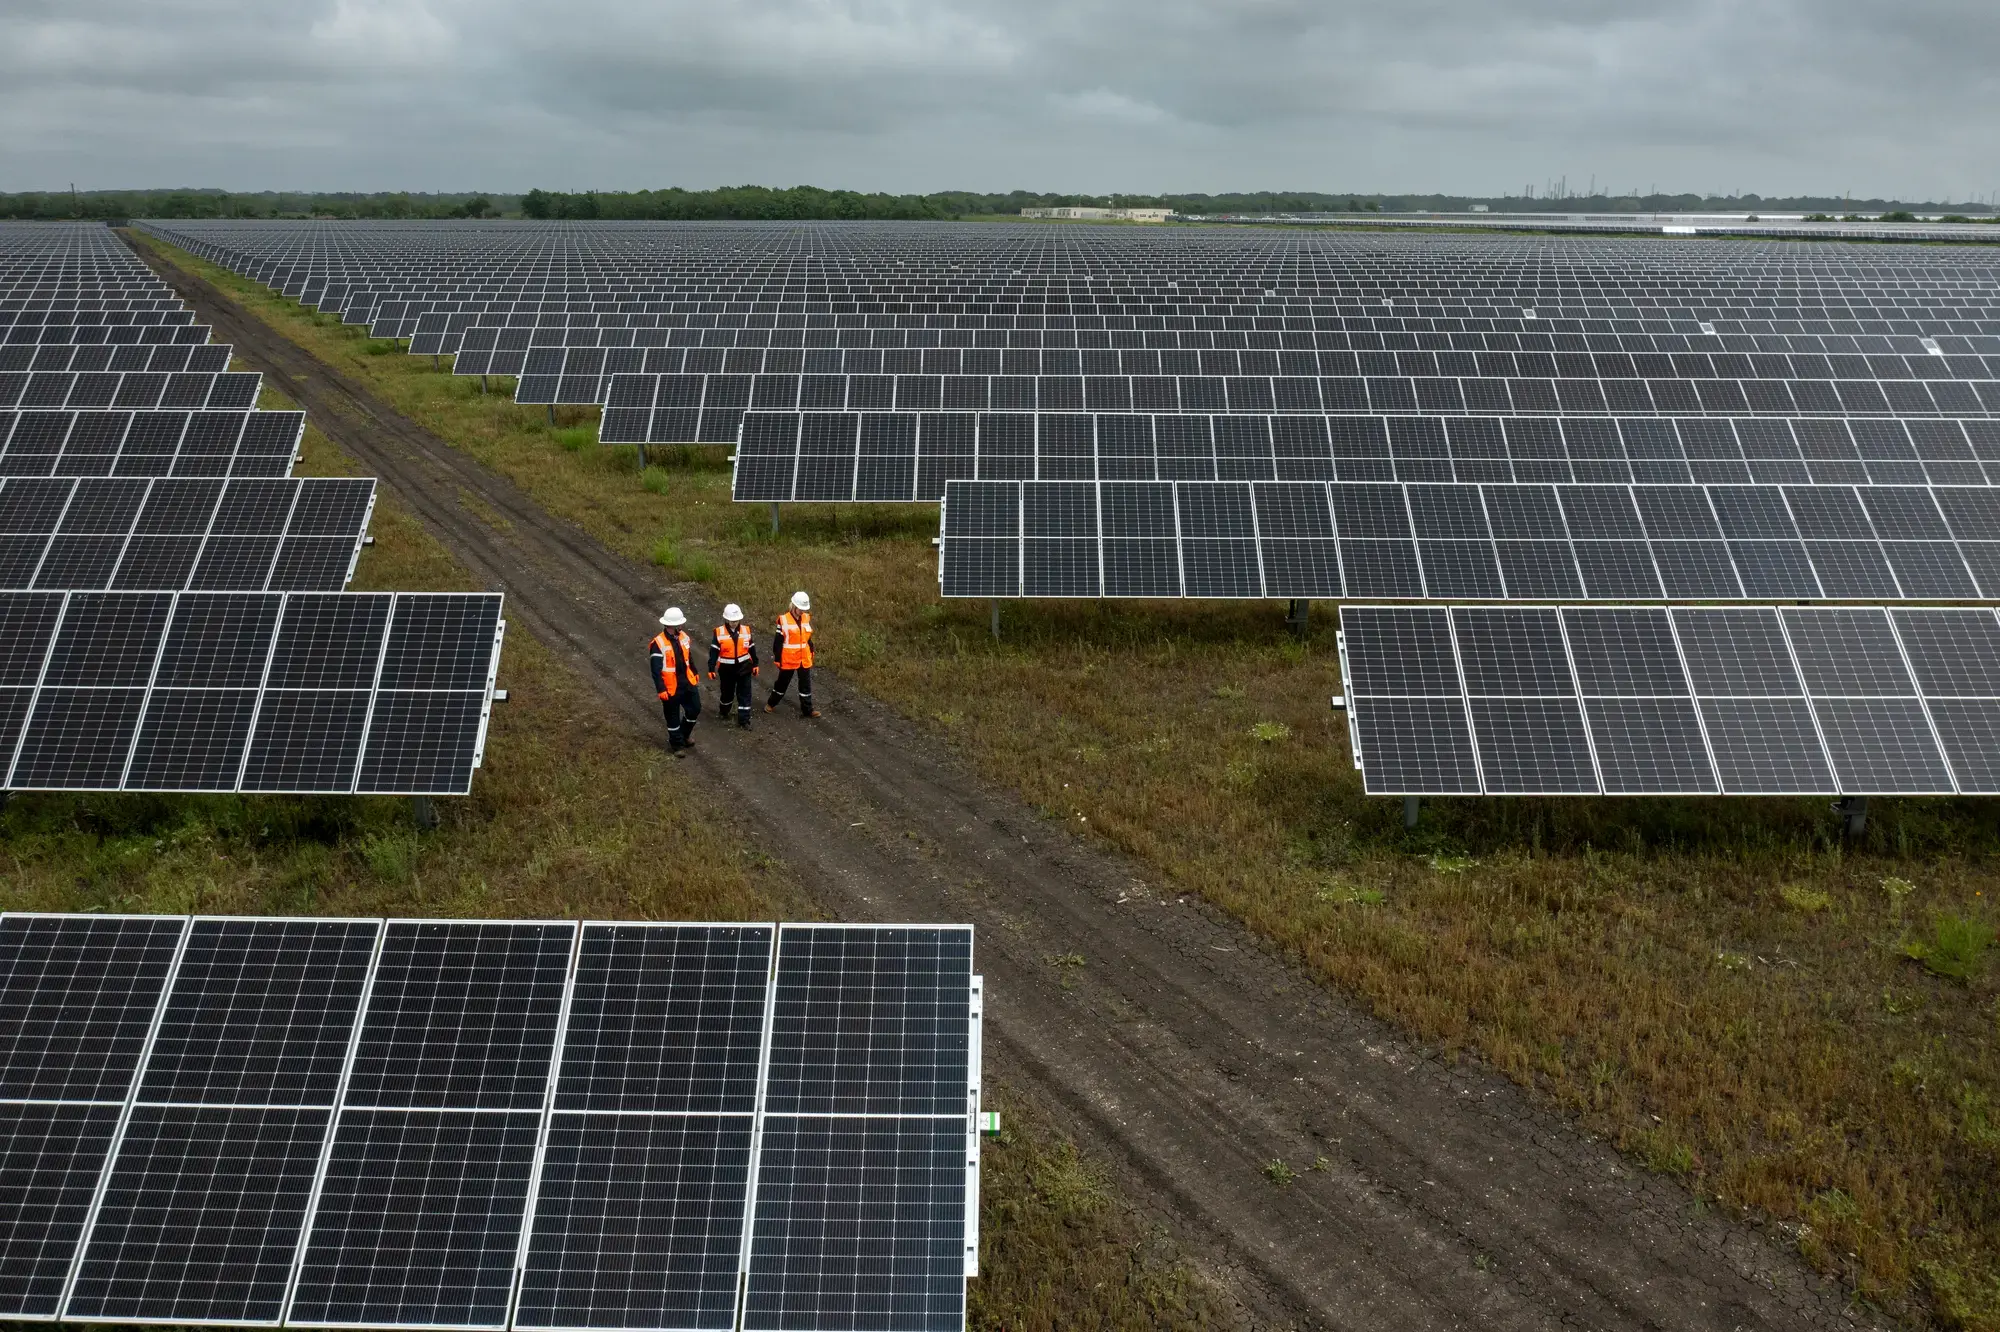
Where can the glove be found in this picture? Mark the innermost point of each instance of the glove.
(711, 675)
(753, 672)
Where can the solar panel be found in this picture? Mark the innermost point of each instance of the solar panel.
(535, 1125)
(205, 1198)
(169, 533)
(217, 691)
(78, 1000)
(418, 1219)
(1652, 700)
(1452, 542)
(643, 1189)
(864, 1179)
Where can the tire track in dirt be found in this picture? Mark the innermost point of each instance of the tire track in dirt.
(1182, 1052)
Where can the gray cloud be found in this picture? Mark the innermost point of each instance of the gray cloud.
(1465, 96)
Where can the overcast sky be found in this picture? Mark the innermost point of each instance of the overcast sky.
(1877, 97)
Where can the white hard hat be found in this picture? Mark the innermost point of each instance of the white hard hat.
(732, 612)
(673, 617)
(800, 601)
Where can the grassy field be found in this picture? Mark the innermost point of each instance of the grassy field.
(569, 817)
(1803, 1032)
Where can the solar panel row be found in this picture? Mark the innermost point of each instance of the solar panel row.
(162, 358)
(138, 390)
(331, 693)
(170, 534)
(886, 457)
(1788, 396)
(1568, 700)
(1459, 542)
(149, 443)
(487, 1124)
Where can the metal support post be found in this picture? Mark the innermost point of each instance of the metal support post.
(642, 457)
(774, 520)
(1298, 615)
(996, 620)
(482, 384)
(552, 413)
(1412, 806)
(1853, 811)
(437, 362)
(423, 811)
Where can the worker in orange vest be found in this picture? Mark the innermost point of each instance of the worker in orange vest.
(676, 678)
(734, 654)
(792, 646)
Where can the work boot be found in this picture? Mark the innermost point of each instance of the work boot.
(770, 707)
(743, 722)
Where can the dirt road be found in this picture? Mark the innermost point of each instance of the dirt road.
(1179, 1051)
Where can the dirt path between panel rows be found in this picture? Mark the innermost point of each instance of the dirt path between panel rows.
(1182, 1052)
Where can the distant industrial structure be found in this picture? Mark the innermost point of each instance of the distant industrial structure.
(1100, 214)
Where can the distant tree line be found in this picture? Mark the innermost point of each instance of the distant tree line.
(112, 205)
(808, 203)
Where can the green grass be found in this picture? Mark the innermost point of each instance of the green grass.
(1700, 981)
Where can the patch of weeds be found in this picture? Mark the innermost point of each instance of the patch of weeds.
(1068, 1184)
(1801, 898)
(1896, 1005)
(1729, 961)
(1320, 1163)
(391, 857)
(1977, 1122)
(381, 347)
(1064, 961)
(1956, 949)
(1664, 1156)
(1898, 890)
(1229, 691)
(1445, 863)
(575, 439)
(1239, 773)
(1270, 732)
(1347, 894)
(1279, 1173)
(1833, 1205)
(657, 480)
(668, 553)
(863, 645)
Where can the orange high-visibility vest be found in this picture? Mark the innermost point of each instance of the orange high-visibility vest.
(671, 666)
(732, 648)
(796, 652)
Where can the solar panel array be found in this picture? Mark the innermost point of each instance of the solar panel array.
(1572, 700)
(150, 443)
(1257, 539)
(319, 693)
(1407, 417)
(457, 1124)
(171, 616)
(154, 358)
(169, 534)
(832, 457)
